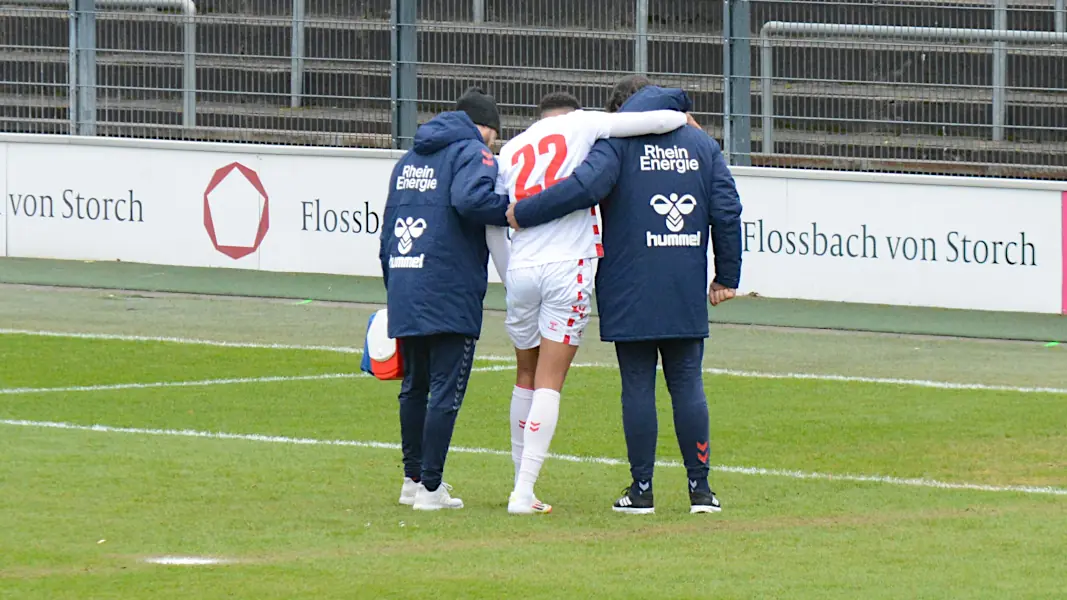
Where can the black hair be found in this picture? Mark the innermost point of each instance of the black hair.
(626, 87)
(556, 100)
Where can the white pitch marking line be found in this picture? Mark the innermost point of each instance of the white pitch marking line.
(509, 364)
(942, 385)
(508, 367)
(883, 479)
(168, 384)
(208, 382)
(187, 560)
(200, 342)
(177, 340)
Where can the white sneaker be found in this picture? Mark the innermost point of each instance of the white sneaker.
(517, 505)
(437, 499)
(408, 491)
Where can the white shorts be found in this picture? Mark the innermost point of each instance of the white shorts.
(551, 301)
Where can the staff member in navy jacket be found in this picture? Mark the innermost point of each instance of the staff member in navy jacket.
(659, 198)
(434, 257)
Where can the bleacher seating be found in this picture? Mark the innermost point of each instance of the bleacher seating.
(838, 101)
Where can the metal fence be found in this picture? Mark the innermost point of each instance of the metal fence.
(976, 87)
(954, 86)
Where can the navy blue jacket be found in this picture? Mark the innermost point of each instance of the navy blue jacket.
(659, 197)
(433, 252)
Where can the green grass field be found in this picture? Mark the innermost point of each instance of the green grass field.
(301, 498)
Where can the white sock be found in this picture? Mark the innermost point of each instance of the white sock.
(540, 427)
(521, 399)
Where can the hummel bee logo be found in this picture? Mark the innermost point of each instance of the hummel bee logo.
(407, 230)
(674, 208)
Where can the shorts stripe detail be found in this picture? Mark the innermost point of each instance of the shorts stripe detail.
(596, 234)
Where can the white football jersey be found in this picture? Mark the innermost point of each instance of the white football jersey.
(548, 152)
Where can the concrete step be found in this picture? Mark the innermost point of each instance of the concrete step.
(324, 124)
(457, 42)
(313, 126)
(927, 167)
(50, 66)
(599, 14)
(805, 106)
(685, 16)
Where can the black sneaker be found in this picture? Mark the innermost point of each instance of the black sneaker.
(634, 501)
(703, 502)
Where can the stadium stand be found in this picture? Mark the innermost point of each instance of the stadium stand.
(880, 104)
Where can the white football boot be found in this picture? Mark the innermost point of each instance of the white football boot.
(408, 491)
(437, 499)
(530, 505)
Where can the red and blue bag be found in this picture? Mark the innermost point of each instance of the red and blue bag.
(382, 357)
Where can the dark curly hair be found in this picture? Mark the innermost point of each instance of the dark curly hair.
(556, 100)
(626, 87)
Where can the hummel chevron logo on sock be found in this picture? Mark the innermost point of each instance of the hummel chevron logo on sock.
(702, 452)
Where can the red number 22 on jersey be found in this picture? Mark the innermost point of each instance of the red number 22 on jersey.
(528, 158)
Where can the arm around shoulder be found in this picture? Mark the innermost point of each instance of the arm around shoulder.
(473, 192)
(633, 124)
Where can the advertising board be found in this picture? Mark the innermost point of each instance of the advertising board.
(3, 205)
(885, 242)
(967, 243)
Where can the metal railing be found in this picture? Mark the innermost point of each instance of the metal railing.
(82, 66)
(296, 78)
(855, 90)
(1000, 36)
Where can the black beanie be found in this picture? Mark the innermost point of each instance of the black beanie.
(480, 107)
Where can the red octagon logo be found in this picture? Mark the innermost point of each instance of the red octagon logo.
(252, 178)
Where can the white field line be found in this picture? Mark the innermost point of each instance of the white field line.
(208, 382)
(200, 342)
(508, 363)
(169, 384)
(177, 340)
(942, 385)
(187, 561)
(756, 471)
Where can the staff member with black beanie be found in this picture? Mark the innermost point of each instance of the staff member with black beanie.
(434, 258)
